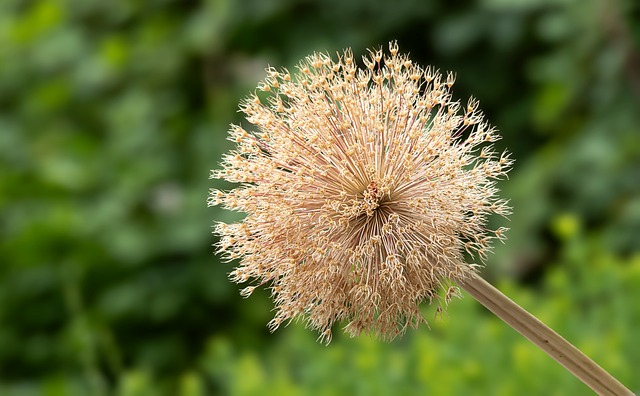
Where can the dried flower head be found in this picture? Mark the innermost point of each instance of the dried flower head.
(362, 190)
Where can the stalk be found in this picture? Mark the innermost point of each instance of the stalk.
(545, 338)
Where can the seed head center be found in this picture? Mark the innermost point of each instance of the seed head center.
(371, 198)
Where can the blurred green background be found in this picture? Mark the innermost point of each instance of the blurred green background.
(113, 112)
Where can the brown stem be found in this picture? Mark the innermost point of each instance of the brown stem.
(544, 337)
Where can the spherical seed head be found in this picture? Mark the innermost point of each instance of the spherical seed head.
(362, 190)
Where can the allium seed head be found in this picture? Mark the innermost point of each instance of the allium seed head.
(362, 188)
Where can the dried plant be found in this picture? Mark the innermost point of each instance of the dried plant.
(363, 189)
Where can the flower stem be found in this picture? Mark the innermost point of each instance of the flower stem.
(544, 337)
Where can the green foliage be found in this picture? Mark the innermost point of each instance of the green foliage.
(112, 113)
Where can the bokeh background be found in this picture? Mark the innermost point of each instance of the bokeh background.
(113, 112)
